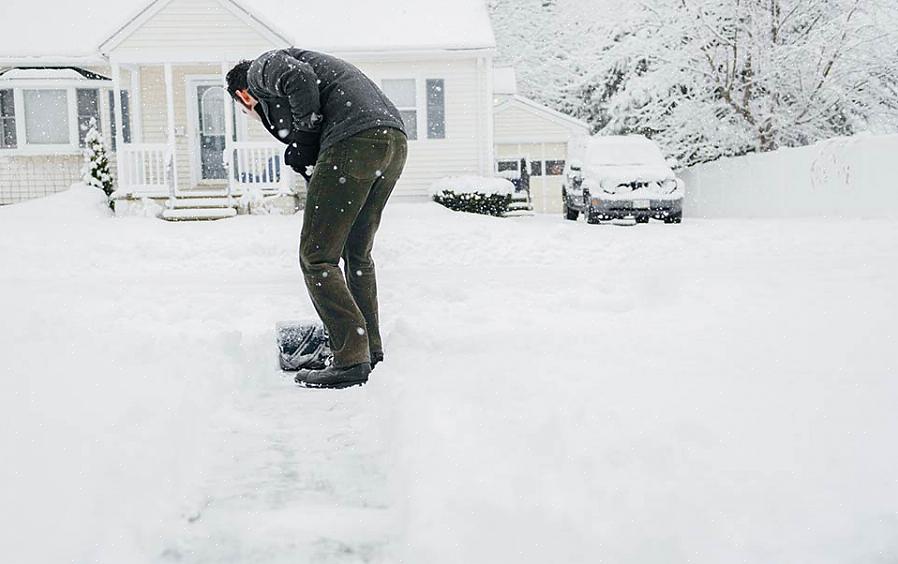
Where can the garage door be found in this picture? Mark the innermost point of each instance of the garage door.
(545, 165)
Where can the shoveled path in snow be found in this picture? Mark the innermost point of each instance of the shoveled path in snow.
(302, 481)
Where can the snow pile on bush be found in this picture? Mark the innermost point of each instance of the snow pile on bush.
(473, 194)
(79, 202)
(842, 177)
(472, 185)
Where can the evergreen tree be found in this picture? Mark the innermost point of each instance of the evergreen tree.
(96, 162)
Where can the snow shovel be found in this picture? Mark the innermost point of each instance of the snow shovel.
(302, 345)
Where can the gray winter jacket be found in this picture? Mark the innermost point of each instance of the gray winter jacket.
(305, 91)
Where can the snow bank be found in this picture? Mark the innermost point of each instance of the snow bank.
(79, 203)
(472, 184)
(844, 177)
(716, 392)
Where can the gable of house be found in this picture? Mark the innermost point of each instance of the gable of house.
(521, 120)
(180, 29)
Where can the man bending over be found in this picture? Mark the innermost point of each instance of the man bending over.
(348, 140)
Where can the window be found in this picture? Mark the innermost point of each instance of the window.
(436, 109)
(506, 165)
(536, 168)
(554, 168)
(402, 93)
(46, 117)
(88, 109)
(126, 117)
(7, 120)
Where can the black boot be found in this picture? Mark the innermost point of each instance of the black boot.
(333, 377)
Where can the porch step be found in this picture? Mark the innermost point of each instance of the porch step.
(194, 194)
(192, 202)
(198, 214)
(518, 213)
(520, 206)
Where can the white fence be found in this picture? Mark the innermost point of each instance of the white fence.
(844, 177)
(145, 166)
(259, 165)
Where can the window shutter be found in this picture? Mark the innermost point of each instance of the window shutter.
(436, 109)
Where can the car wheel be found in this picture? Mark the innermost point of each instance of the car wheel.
(674, 218)
(570, 214)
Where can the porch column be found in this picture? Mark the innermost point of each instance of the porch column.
(229, 131)
(136, 107)
(170, 115)
(119, 126)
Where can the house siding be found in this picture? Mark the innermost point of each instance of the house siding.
(515, 124)
(463, 151)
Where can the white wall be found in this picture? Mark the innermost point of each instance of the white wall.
(845, 177)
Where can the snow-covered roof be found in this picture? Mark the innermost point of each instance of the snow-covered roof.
(25, 74)
(73, 31)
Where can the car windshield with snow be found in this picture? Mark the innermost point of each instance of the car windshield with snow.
(622, 177)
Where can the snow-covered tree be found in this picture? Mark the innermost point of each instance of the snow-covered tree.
(551, 43)
(711, 78)
(95, 171)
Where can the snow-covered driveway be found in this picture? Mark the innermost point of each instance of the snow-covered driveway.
(719, 391)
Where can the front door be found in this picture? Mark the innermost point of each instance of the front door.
(210, 132)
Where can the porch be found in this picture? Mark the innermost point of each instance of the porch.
(187, 142)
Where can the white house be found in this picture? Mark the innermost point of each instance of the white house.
(159, 68)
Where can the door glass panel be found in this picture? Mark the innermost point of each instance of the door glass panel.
(211, 127)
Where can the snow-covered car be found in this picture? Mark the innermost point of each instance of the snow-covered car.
(622, 177)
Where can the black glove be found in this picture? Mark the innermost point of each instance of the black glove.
(301, 154)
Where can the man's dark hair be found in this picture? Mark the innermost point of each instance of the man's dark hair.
(237, 77)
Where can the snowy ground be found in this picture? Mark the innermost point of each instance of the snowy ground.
(714, 392)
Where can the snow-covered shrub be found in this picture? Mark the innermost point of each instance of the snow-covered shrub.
(95, 171)
(254, 202)
(473, 194)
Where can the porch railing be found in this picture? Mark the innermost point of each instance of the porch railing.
(259, 165)
(145, 167)
(148, 168)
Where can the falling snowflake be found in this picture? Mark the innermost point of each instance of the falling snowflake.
(359, 330)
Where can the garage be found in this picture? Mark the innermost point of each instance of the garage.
(532, 145)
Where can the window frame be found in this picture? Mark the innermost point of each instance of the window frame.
(546, 166)
(18, 86)
(416, 108)
(82, 134)
(421, 98)
(506, 160)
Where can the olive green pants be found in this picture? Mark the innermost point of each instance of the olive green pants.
(346, 197)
